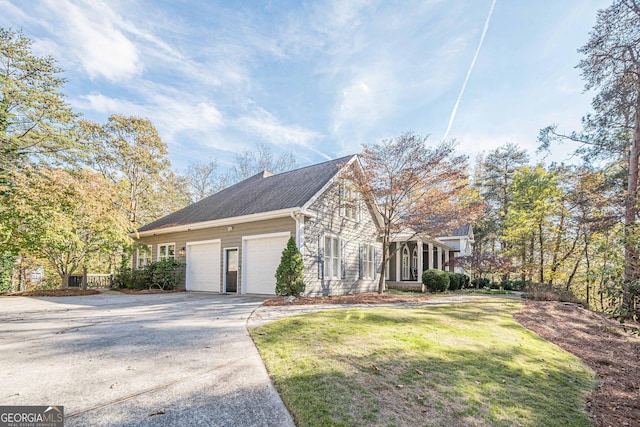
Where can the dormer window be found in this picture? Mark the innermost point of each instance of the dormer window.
(349, 202)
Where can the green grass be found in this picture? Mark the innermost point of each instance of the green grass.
(465, 364)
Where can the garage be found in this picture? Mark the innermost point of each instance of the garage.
(203, 266)
(261, 259)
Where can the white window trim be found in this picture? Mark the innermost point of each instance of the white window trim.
(368, 261)
(406, 267)
(160, 245)
(349, 196)
(146, 257)
(333, 275)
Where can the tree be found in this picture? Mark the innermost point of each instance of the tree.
(64, 218)
(612, 66)
(204, 180)
(250, 162)
(494, 183)
(420, 190)
(129, 153)
(35, 121)
(290, 272)
(536, 200)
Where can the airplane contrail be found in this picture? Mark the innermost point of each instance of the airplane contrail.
(473, 63)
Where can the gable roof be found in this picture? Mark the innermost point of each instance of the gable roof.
(463, 230)
(263, 192)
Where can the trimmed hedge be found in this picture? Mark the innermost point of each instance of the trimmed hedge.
(458, 281)
(436, 280)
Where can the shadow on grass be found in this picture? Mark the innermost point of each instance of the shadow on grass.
(446, 365)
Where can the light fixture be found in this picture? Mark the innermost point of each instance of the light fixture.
(183, 251)
(230, 228)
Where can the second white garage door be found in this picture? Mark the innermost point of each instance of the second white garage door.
(261, 259)
(203, 266)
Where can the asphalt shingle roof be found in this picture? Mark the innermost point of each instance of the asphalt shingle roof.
(260, 193)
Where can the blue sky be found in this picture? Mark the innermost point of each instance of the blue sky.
(318, 78)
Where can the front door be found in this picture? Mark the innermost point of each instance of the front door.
(231, 273)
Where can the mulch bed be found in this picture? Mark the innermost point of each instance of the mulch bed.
(606, 346)
(364, 298)
(67, 292)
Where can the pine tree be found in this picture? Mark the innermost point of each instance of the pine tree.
(290, 272)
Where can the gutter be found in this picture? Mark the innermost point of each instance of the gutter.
(261, 216)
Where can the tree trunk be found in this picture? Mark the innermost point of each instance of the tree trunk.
(84, 278)
(541, 242)
(630, 250)
(385, 256)
(65, 280)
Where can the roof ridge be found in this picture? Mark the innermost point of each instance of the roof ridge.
(312, 166)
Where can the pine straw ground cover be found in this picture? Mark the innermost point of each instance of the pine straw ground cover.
(465, 364)
(605, 345)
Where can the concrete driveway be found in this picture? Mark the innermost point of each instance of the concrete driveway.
(181, 359)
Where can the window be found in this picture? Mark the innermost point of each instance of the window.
(414, 265)
(405, 263)
(331, 257)
(368, 263)
(166, 251)
(143, 256)
(349, 202)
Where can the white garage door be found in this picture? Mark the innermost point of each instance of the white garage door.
(262, 257)
(203, 267)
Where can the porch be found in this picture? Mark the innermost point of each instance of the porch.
(410, 258)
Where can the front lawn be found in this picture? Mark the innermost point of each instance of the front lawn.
(465, 364)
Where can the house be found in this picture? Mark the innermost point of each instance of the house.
(461, 240)
(232, 241)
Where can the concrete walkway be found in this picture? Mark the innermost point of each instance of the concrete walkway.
(181, 359)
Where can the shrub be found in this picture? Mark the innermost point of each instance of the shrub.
(165, 274)
(547, 292)
(290, 272)
(481, 282)
(436, 280)
(464, 281)
(514, 285)
(132, 279)
(458, 281)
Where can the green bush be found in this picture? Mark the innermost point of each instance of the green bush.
(481, 282)
(290, 272)
(436, 280)
(514, 285)
(132, 279)
(165, 274)
(465, 281)
(458, 281)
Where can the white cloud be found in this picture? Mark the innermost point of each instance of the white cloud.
(171, 115)
(264, 124)
(93, 33)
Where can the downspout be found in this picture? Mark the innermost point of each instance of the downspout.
(299, 234)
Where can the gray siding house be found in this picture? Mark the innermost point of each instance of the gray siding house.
(232, 241)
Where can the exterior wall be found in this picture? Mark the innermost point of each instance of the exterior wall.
(328, 221)
(229, 239)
